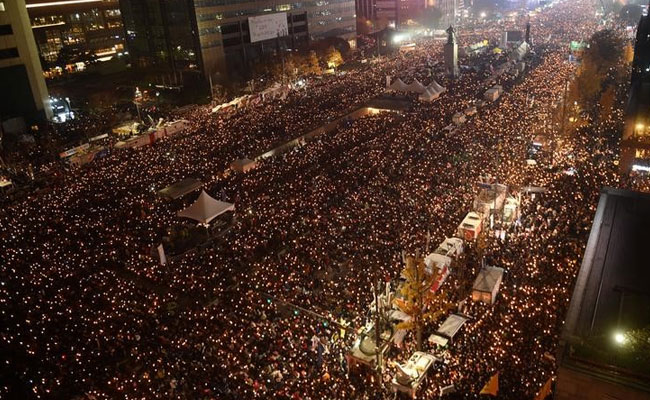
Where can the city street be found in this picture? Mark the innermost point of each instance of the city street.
(87, 311)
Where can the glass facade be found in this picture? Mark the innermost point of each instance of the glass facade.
(71, 34)
(213, 35)
(161, 33)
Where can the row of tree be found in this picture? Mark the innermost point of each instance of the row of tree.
(300, 64)
(605, 64)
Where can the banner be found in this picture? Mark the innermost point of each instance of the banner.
(492, 387)
(268, 26)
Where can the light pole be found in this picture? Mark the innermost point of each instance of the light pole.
(138, 96)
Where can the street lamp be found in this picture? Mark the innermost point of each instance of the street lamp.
(136, 101)
(619, 338)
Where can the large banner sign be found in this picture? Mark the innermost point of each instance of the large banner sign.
(269, 26)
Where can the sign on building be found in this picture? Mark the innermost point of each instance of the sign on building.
(268, 26)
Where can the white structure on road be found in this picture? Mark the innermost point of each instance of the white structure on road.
(411, 374)
(471, 226)
(487, 283)
(205, 209)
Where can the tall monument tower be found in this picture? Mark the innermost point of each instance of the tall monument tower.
(528, 38)
(451, 53)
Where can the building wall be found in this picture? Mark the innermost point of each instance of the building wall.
(21, 75)
(223, 28)
(162, 34)
(216, 31)
(225, 41)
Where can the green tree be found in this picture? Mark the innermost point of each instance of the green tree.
(605, 50)
(312, 64)
(364, 26)
(628, 54)
(333, 57)
(418, 301)
(607, 100)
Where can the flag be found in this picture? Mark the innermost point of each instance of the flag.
(492, 387)
(545, 390)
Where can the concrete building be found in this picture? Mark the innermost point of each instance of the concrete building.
(213, 37)
(22, 87)
(71, 33)
(635, 144)
(601, 352)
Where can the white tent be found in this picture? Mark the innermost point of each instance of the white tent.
(520, 51)
(436, 86)
(487, 283)
(429, 95)
(398, 86)
(206, 208)
(416, 87)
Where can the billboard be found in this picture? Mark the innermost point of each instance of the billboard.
(268, 26)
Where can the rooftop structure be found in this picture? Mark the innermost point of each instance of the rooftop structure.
(601, 351)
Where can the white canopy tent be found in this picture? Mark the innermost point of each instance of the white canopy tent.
(399, 86)
(429, 95)
(206, 208)
(520, 51)
(432, 92)
(436, 86)
(416, 87)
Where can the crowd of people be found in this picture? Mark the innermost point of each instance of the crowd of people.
(88, 313)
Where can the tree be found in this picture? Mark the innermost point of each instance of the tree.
(631, 13)
(364, 26)
(587, 85)
(628, 54)
(333, 57)
(381, 23)
(419, 302)
(311, 65)
(607, 100)
(605, 50)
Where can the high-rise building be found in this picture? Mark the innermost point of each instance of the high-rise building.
(71, 33)
(162, 34)
(392, 12)
(635, 146)
(22, 87)
(449, 10)
(216, 38)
